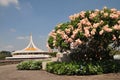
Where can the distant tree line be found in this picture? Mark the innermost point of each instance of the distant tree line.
(4, 54)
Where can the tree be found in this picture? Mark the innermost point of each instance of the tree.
(4, 54)
(88, 34)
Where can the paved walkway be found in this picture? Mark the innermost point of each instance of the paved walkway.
(9, 72)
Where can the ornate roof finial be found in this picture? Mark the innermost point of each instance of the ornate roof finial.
(31, 45)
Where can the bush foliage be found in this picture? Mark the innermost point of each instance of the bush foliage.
(83, 68)
(29, 65)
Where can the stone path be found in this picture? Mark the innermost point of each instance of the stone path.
(9, 72)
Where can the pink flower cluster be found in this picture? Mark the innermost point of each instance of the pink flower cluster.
(64, 35)
(81, 15)
(116, 27)
(107, 29)
(87, 26)
(90, 28)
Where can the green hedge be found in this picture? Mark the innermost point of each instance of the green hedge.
(30, 65)
(83, 68)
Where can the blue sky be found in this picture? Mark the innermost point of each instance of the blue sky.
(19, 18)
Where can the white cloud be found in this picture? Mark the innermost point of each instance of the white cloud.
(22, 37)
(9, 46)
(12, 30)
(6, 3)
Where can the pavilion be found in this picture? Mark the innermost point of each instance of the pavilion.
(30, 52)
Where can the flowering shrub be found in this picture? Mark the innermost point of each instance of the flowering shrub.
(94, 30)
